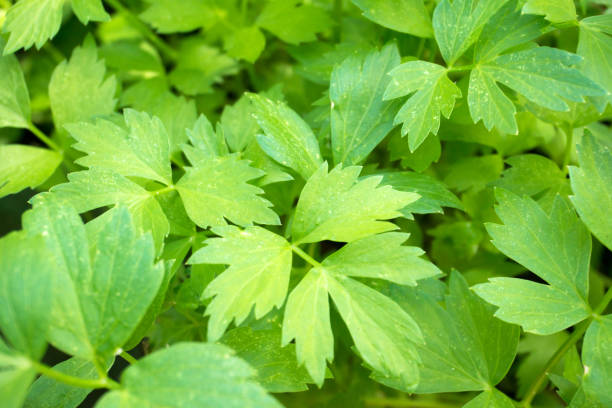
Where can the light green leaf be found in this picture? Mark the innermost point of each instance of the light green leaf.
(335, 206)
(97, 188)
(16, 375)
(474, 172)
(405, 16)
(384, 334)
(466, 348)
(113, 267)
(218, 189)
(597, 360)
(26, 276)
(287, 137)
(307, 321)
(141, 151)
(258, 275)
(490, 399)
(458, 23)
(199, 66)
(488, 103)
(592, 187)
(381, 256)
(245, 43)
(555, 11)
(360, 118)
(277, 368)
(205, 142)
(554, 246)
(78, 89)
(238, 124)
(14, 98)
(432, 95)
(89, 10)
(25, 166)
(305, 19)
(32, 22)
(169, 16)
(595, 47)
(433, 193)
(49, 393)
(189, 375)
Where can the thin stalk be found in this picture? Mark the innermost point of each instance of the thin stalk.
(420, 48)
(54, 52)
(461, 68)
(569, 144)
(338, 18)
(164, 190)
(305, 256)
(128, 357)
(47, 371)
(571, 340)
(144, 29)
(400, 403)
(44, 138)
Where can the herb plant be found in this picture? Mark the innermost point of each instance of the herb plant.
(305, 203)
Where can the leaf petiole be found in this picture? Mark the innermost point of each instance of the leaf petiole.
(47, 371)
(305, 256)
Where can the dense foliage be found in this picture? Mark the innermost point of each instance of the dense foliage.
(305, 203)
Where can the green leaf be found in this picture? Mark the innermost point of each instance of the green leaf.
(554, 246)
(97, 188)
(490, 399)
(595, 47)
(457, 24)
(245, 43)
(543, 75)
(384, 334)
(218, 189)
(474, 172)
(360, 118)
(597, 360)
(49, 393)
(335, 206)
(78, 89)
(405, 16)
(168, 16)
(14, 98)
(432, 94)
(113, 267)
(140, 151)
(26, 276)
(434, 193)
(238, 124)
(287, 137)
(592, 187)
(381, 256)
(32, 22)
(466, 348)
(89, 10)
(205, 142)
(307, 321)
(488, 103)
(555, 11)
(277, 368)
(258, 275)
(305, 19)
(25, 166)
(199, 66)
(189, 375)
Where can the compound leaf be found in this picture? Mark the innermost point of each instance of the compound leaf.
(554, 246)
(258, 275)
(336, 206)
(360, 118)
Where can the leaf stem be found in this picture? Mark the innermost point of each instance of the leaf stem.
(144, 29)
(460, 68)
(571, 340)
(54, 52)
(305, 256)
(44, 138)
(569, 144)
(47, 371)
(128, 357)
(405, 402)
(163, 190)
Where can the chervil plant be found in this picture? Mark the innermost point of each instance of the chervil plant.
(305, 203)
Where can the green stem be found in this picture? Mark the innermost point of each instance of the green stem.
(144, 29)
(420, 48)
(338, 17)
(164, 190)
(54, 52)
(569, 144)
(460, 68)
(47, 371)
(399, 403)
(571, 340)
(305, 256)
(128, 357)
(44, 138)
